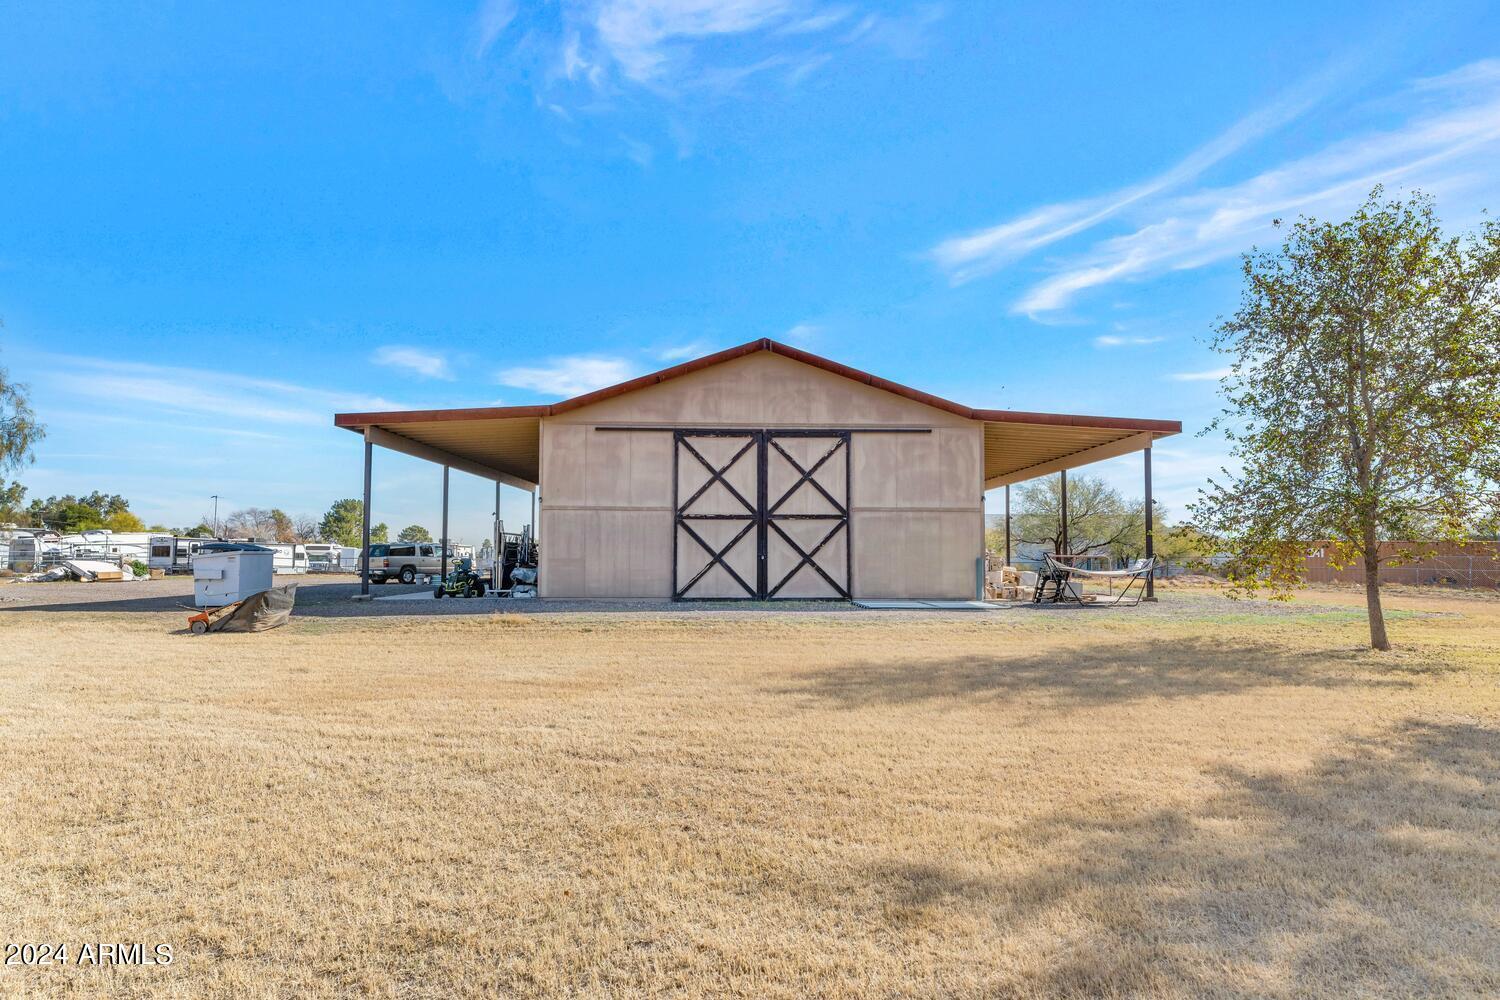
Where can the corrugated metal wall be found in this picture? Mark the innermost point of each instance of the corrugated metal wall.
(1476, 564)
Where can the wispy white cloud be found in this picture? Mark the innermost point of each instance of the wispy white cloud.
(1115, 340)
(645, 37)
(802, 334)
(493, 18)
(1212, 375)
(569, 376)
(975, 254)
(413, 359)
(818, 21)
(642, 154)
(685, 352)
(217, 395)
(1447, 144)
(904, 36)
(675, 46)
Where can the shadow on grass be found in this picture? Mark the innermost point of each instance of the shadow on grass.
(1097, 674)
(1374, 873)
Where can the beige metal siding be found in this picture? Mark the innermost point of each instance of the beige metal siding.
(606, 496)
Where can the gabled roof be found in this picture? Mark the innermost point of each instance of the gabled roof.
(509, 448)
(356, 421)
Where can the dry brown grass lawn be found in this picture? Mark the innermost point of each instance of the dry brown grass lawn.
(1020, 804)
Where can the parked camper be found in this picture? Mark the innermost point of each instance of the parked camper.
(174, 553)
(290, 557)
(112, 546)
(31, 550)
(183, 550)
(323, 557)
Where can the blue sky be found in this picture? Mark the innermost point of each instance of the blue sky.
(220, 224)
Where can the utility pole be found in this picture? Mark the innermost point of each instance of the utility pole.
(215, 499)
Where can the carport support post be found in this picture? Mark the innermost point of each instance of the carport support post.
(364, 563)
(495, 563)
(444, 541)
(1063, 540)
(1007, 524)
(1150, 530)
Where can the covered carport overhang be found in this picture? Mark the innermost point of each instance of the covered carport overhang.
(501, 444)
(1021, 446)
(498, 443)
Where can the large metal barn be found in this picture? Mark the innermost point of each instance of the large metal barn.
(760, 472)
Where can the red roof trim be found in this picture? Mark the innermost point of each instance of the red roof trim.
(358, 421)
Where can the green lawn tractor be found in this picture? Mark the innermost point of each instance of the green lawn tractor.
(461, 581)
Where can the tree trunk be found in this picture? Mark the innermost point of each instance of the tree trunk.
(1378, 638)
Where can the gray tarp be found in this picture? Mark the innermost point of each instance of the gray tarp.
(259, 612)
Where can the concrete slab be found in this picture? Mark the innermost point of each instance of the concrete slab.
(925, 605)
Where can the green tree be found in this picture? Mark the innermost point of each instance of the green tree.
(19, 430)
(70, 517)
(414, 533)
(91, 511)
(1363, 401)
(344, 522)
(124, 520)
(1099, 519)
(201, 531)
(12, 496)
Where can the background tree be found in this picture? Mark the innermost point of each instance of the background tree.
(1098, 517)
(19, 430)
(414, 533)
(305, 528)
(1175, 544)
(254, 522)
(344, 522)
(12, 499)
(486, 550)
(282, 527)
(124, 520)
(203, 530)
(1364, 397)
(67, 516)
(69, 513)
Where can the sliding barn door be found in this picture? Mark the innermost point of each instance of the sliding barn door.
(761, 515)
(805, 516)
(716, 536)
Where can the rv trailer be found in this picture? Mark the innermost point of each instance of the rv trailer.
(323, 557)
(289, 557)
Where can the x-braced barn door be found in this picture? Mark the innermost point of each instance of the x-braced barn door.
(805, 516)
(717, 498)
(761, 514)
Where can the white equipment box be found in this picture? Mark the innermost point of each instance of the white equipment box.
(226, 572)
